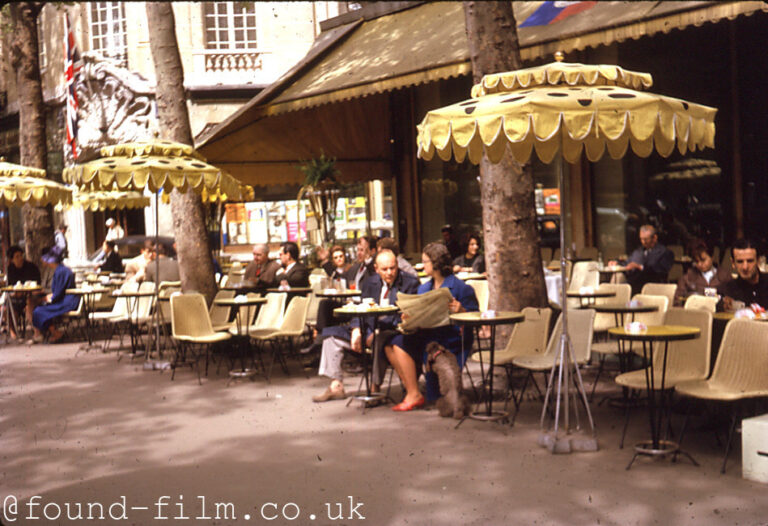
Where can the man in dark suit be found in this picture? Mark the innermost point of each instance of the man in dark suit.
(112, 260)
(363, 268)
(382, 288)
(293, 273)
(261, 273)
(649, 263)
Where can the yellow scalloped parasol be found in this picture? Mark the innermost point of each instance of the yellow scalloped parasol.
(154, 165)
(36, 191)
(16, 170)
(111, 200)
(564, 108)
(20, 185)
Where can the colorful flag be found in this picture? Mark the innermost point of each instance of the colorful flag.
(550, 12)
(71, 67)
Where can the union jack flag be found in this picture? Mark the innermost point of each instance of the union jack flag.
(71, 67)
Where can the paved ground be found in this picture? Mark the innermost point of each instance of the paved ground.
(87, 429)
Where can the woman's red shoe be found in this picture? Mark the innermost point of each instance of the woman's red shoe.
(406, 406)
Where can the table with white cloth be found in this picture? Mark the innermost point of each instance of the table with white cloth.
(554, 286)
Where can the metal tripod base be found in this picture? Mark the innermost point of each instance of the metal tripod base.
(567, 444)
(662, 448)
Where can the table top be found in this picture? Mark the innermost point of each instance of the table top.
(25, 288)
(476, 318)
(595, 294)
(466, 276)
(245, 284)
(338, 294)
(83, 292)
(235, 302)
(657, 333)
(728, 316)
(625, 308)
(298, 290)
(358, 310)
(136, 294)
(612, 270)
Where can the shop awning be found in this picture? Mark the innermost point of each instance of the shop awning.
(358, 61)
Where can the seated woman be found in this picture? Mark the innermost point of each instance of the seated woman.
(703, 273)
(472, 260)
(339, 261)
(58, 301)
(21, 271)
(409, 359)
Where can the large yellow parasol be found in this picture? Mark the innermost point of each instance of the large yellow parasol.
(564, 108)
(111, 200)
(20, 185)
(154, 165)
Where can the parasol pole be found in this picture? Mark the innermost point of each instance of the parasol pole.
(564, 361)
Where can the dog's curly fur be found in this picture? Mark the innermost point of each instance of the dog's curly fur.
(453, 402)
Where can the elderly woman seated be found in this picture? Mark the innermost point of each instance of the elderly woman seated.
(58, 302)
(408, 360)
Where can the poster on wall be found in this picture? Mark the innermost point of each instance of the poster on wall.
(257, 223)
(296, 221)
(551, 201)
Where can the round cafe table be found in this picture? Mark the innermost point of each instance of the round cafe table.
(476, 320)
(89, 300)
(19, 326)
(620, 313)
(587, 299)
(658, 411)
(339, 295)
(241, 340)
(608, 273)
(131, 308)
(361, 312)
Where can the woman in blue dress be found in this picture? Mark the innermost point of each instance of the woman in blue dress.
(438, 265)
(58, 302)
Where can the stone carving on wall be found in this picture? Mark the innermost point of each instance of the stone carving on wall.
(115, 106)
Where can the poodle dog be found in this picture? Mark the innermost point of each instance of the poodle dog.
(453, 402)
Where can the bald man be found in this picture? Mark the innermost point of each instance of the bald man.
(262, 271)
(382, 288)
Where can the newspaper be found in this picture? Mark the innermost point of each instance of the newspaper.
(424, 311)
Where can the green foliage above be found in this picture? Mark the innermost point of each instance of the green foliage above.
(319, 170)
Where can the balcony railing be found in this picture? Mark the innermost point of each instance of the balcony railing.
(238, 66)
(231, 61)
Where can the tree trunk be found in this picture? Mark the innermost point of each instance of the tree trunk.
(38, 225)
(195, 262)
(513, 258)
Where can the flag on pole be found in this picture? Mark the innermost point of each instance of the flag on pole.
(71, 67)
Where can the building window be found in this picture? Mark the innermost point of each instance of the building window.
(230, 25)
(108, 33)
